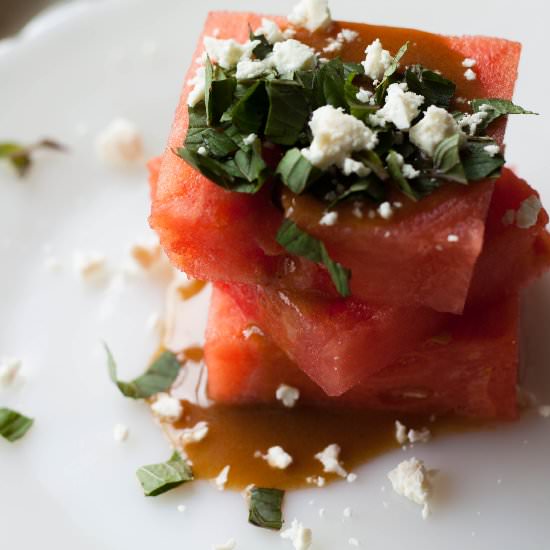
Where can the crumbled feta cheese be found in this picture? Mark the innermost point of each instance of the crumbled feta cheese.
(346, 512)
(229, 545)
(469, 74)
(270, 30)
(410, 479)
(195, 434)
(452, 238)
(202, 151)
(335, 44)
(120, 432)
(167, 407)
(336, 135)
(492, 150)
(351, 478)
(197, 84)
(227, 53)
(377, 60)
(329, 218)
(252, 68)
(419, 436)
(351, 166)
(328, 457)
(9, 368)
(222, 477)
(348, 35)
(400, 107)
(436, 125)
(528, 212)
(400, 433)
(472, 121)
(544, 411)
(250, 139)
(364, 96)
(352, 541)
(407, 170)
(311, 14)
(120, 144)
(89, 265)
(181, 508)
(385, 210)
(469, 62)
(291, 55)
(509, 217)
(287, 395)
(252, 329)
(316, 480)
(300, 536)
(278, 458)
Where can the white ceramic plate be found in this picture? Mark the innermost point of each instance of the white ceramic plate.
(67, 484)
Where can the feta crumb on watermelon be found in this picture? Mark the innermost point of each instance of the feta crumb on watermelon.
(270, 30)
(492, 150)
(377, 60)
(196, 95)
(277, 458)
(436, 126)
(311, 14)
(287, 395)
(227, 53)
(401, 107)
(470, 75)
(291, 55)
(528, 212)
(385, 210)
(468, 62)
(329, 218)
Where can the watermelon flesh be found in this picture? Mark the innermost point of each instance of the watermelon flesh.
(215, 235)
(469, 368)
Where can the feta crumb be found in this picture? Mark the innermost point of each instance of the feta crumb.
(229, 545)
(195, 434)
(351, 477)
(352, 541)
(287, 395)
(278, 458)
(197, 84)
(335, 44)
(351, 166)
(291, 55)
(410, 479)
(181, 508)
(469, 74)
(89, 265)
(346, 512)
(452, 238)
(252, 68)
(300, 536)
(472, 121)
(436, 125)
(419, 436)
(270, 30)
(328, 457)
(120, 432)
(311, 14)
(468, 62)
(509, 217)
(168, 408)
(120, 144)
(400, 433)
(336, 135)
(227, 53)
(348, 35)
(252, 329)
(400, 107)
(202, 151)
(319, 481)
(408, 171)
(364, 96)
(385, 210)
(528, 212)
(544, 411)
(249, 139)
(377, 60)
(329, 218)
(221, 478)
(9, 368)
(492, 150)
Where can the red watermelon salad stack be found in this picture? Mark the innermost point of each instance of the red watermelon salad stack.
(343, 186)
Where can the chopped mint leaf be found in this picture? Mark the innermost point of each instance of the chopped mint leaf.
(296, 171)
(436, 89)
(496, 108)
(394, 64)
(394, 168)
(250, 167)
(218, 93)
(198, 127)
(264, 48)
(298, 242)
(265, 508)
(288, 111)
(447, 161)
(478, 163)
(158, 377)
(329, 84)
(160, 478)
(369, 187)
(20, 156)
(250, 111)
(389, 75)
(356, 108)
(374, 162)
(220, 143)
(13, 425)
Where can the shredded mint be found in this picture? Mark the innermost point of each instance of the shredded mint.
(447, 160)
(478, 164)
(389, 75)
(496, 108)
(250, 111)
(158, 377)
(264, 48)
(160, 478)
(13, 425)
(20, 156)
(298, 242)
(296, 171)
(265, 508)
(394, 168)
(218, 94)
(436, 89)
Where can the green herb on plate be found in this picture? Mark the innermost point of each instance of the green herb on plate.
(13, 425)
(265, 508)
(160, 478)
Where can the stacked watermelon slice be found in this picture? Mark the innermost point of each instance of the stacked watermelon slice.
(432, 322)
